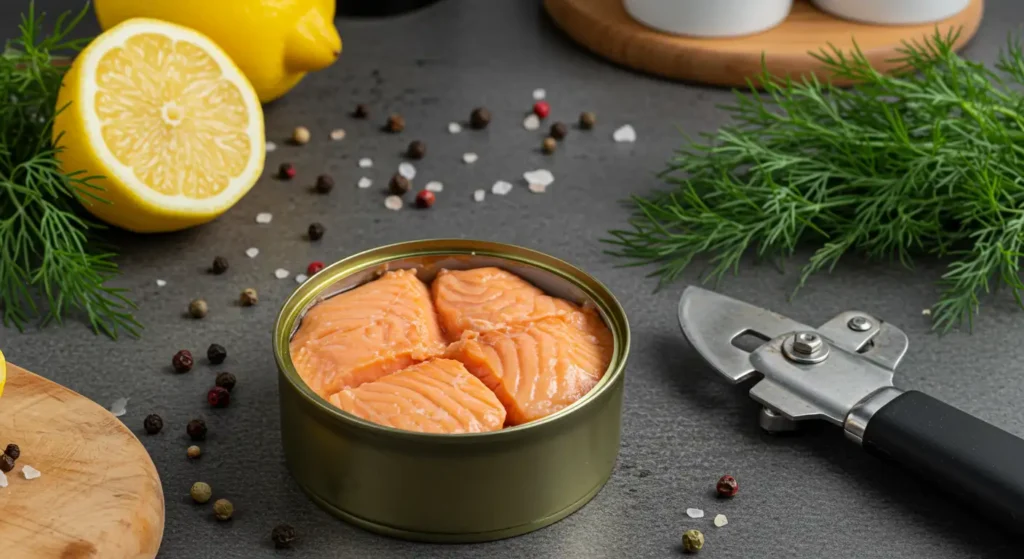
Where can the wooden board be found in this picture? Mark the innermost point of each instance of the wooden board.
(99, 494)
(604, 27)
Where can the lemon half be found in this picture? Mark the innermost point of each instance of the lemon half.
(167, 119)
(3, 373)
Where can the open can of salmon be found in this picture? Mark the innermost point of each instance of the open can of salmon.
(452, 487)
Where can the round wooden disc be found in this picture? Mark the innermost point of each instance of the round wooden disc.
(99, 494)
(604, 27)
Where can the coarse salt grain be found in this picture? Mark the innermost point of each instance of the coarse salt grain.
(119, 407)
(29, 472)
(531, 122)
(434, 186)
(337, 134)
(501, 188)
(540, 176)
(301, 278)
(393, 203)
(281, 273)
(539, 94)
(721, 520)
(926, 312)
(161, 283)
(538, 188)
(624, 134)
(407, 170)
(454, 128)
(469, 157)
(3, 480)
(695, 513)
(252, 252)
(271, 146)
(264, 218)
(365, 182)
(365, 163)
(479, 195)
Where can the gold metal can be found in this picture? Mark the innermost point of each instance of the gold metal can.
(451, 488)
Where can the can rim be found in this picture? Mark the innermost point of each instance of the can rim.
(611, 311)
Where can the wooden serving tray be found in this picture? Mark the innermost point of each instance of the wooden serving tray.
(99, 494)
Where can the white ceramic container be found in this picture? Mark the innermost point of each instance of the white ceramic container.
(709, 18)
(893, 12)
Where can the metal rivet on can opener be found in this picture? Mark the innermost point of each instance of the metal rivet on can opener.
(805, 347)
(859, 324)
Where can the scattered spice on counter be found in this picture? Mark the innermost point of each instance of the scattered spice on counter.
(539, 94)
(337, 134)
(399, 185)
(364, 182)
(300, 136)
(624, 134)
(469, 158)
(119, 407)
(727, 486)
(425, 199)
(220, 265)
(479, 195)
(549, 145)
(693, 541)
(223, 509)
(314, 267)
(248, 297)
(542, 109)
(281, 273)
(28, 472)
(196, 430)
(283, 535)
(559, 130)
(454, 128)
(538, 188)
(13, 450)
(201, 492)
(286, 171)
(315, 231)
(407, 170)
(216, 354)
(479, 118)
(416, 150)
(252, 252)
(434, 186)
(324, 184)
(270, 146)
(194, 452)
(365, 163)
(395, 123)
(541, 177)
(721, 520)
(301, 278)
(182, 361)
(198, 308)
(393, 203)
(6, 463)
(218, 397)
(3, 480)
(225, 380)
(501, 188)
(361, 111)
(531, 122)
(588, 120)
(695, 513)
(153, 424)
(264, 218)
(161, 283)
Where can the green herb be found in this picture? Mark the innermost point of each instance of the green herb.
(50, 262)
(929, 160)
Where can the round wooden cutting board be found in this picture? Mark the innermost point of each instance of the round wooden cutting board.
(99, 494)
(604, 27)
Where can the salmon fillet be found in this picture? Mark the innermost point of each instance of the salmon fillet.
(436, 396)
(485, 299)
(538, 368)
(366, 333)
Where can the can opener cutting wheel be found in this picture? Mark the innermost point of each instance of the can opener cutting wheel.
(842, 372)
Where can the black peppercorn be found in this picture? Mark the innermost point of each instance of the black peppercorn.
(182, 361)
(283, 535)
(395, 124)
(480, 118)
(416, 150)
(559, 130)
(324, 184)
(220, 265)
(6, 463)
(225, 380)
(153, 423)
(399, 185)
(316, 231)
(216, 354)
(218, 397)
(549, 145)
(286, 171)
(13, 451)
(362, 111)
(196, 430)
(587, 120)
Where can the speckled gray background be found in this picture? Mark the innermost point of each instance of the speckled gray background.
(813, 495)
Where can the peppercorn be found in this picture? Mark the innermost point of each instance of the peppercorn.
(6, 463)
(201, 492)
(283, 535)
(153, 424)
(249, 297)
(480, 118)
(542, 109)
(196, 430)
(315, 232)
(300, 136)
(197, 308)
(286, 171)
(220, 265)
(559, 130)
(549, 145)
(416, 150)
(324, 184)
(223, 509)
(362, 111)
(399, 185)
(218, 397)
(225, 380)
(727, 486)
(194, 452)
(395, 123)
(587, 120)
(693, 541)
(425, 199)
(216, 354)
(13, 451)
(314, 267)
(182, 361)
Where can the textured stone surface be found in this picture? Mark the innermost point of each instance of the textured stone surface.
(812, 495)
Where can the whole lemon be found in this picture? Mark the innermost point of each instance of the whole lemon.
(274, 42)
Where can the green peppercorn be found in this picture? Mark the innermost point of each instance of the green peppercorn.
(549, 145)
(225, 380)
(197, 308)
(194, 452)
(587, 120)
(196, 430)
(223, 509)
(153, 424)
(559, 130)
(315, 232)
(693, 541)
(13, 451)
(416, 150)
(249, 298)
(220, 265)
(395, 123)
(6, 463)
(201, 492)
(283, 535)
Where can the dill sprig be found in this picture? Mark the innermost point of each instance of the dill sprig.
(929, 160)
(50, 263)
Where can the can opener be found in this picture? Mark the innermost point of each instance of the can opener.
(842, 372)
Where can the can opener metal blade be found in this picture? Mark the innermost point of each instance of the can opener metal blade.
(842, 372)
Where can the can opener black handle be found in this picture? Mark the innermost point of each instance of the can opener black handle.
(842, 372)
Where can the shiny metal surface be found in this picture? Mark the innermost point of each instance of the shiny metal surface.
(857, 420)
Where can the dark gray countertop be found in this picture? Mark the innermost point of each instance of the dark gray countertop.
(814, 495)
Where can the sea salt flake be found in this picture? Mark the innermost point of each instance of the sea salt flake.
(479, 194)
(695, 513)
(161, 283)
(926, 312)
(540, 176)
(365, 182)
(264, 218)
(454, 128)
(3, 480)
(337, 134)
(252, 252)
(539, 94)
(393, 203)
(119, 407)
(624, 134)
(407, 170)
(271, 146)
(469, 157)
(721, 520)
(365, 163)
(538, 188)
(501, 188)
(531, 122)
(301, 278)
(434, 186)
(29, 472)
(281, 273)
